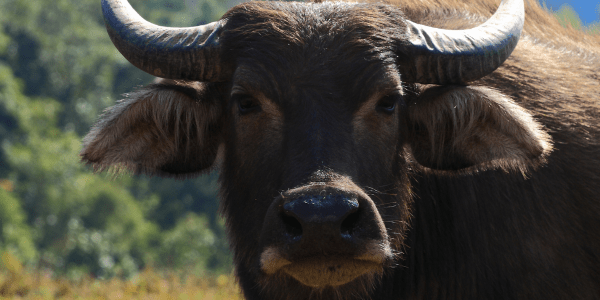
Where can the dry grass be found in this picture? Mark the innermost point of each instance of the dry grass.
(18, 283)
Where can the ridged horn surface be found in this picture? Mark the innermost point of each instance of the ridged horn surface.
(440, 56)
(191, 53)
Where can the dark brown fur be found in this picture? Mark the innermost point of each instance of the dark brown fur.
(481, 197)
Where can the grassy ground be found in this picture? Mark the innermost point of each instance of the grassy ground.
(19, 283)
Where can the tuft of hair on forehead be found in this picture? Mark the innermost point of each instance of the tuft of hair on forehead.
(323, 24)
(330, 46)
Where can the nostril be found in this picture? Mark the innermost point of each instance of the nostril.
(311, 216)
(292, 225)
(350, 223)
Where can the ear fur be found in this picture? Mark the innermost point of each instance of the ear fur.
(170, 128)
(463, 127)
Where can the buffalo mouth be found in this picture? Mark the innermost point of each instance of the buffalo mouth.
(329, 271)
(324, 234)
(321, 271)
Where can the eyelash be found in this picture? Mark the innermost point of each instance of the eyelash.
(388, 104)
(246, 104)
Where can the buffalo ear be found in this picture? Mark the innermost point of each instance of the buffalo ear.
(171, 128)
(460, 127)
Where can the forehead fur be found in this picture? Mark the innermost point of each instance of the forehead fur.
(302, 24)
(326, 46)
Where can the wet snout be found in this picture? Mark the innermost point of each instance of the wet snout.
(330, 215)
(324, 233)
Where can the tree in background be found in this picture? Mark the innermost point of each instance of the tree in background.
(568, 17)
(58, 71)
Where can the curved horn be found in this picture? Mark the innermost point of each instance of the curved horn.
(190, 53)
(458, 56)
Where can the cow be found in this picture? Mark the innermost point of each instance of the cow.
(376, 151)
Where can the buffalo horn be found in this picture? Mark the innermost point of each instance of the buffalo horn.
(190, 53)
(439, 56)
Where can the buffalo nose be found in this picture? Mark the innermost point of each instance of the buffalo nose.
(318, 216)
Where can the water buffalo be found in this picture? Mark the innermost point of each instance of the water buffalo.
(366, 154)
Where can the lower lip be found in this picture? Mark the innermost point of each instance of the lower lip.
(330, 271)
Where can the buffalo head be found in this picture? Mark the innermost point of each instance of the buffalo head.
(319, 113)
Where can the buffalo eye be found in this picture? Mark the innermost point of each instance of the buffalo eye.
(388, 103)
(246, 104)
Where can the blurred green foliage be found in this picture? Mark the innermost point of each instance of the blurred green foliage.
(568, 17)
(58, 71)
(16, 235)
